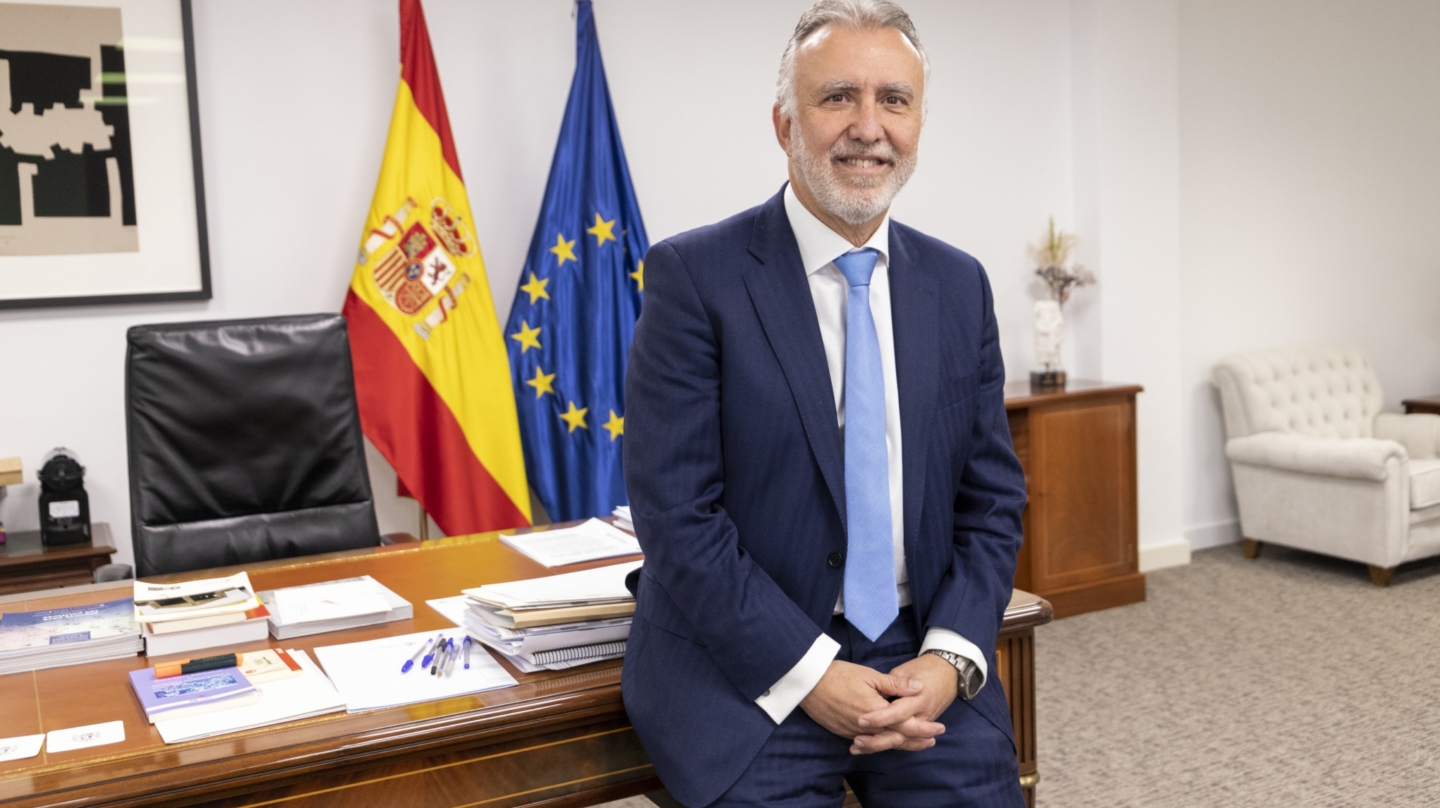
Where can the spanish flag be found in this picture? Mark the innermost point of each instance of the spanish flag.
(431, 371)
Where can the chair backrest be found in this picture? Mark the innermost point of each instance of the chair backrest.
(1317, 391)
(244, 443)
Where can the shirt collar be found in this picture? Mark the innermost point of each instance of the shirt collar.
(819, 245)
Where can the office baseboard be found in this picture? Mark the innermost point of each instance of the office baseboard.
(1159, 556)
(1214, 534)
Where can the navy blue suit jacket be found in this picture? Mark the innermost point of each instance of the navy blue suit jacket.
(734, 468)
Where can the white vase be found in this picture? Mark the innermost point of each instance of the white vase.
(1049, 333)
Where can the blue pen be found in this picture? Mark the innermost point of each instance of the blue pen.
(450, 653)
(467, 652)
(410, 663)
(440, 640)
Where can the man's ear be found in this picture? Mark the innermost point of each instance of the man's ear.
(782, 127)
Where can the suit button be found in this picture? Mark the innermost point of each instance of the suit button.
(835, 561)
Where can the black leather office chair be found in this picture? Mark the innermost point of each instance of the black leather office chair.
(244, 443)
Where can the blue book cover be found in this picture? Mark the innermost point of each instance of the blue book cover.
(160, 696)
(20, 631)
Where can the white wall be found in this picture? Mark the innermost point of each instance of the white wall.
(295, 99)
(1310, 193)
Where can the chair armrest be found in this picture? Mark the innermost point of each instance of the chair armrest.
(1358, 458)
(397, 538)
(1418, 432)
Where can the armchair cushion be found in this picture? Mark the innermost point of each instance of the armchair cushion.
(1358, 458)
(1424, 483)
(1419, 433)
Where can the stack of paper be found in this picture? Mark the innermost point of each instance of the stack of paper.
(549, 623)
(284, 696)
(587, 541)
(623, 520)
(71, 636)
(300, 611)
(204, 613)
(373, 674)
(173, 697)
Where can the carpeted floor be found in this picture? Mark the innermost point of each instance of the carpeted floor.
(1286, 682)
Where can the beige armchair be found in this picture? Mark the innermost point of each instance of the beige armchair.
(1318, 467)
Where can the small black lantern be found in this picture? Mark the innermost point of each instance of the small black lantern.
(64, 505)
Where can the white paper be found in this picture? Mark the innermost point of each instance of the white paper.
(25, 746)
(309, 604)
(587, 541)
(600, 585)
(368, 676)
(65, 740)
(512, 641)
(303, 696)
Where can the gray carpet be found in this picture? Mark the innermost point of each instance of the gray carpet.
(1286, 681)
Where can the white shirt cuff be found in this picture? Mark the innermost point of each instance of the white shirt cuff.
(944, 639)
(785, 695)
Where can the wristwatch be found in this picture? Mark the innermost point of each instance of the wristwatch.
(969, 673)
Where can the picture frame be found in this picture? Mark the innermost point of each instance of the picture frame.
(104, 202)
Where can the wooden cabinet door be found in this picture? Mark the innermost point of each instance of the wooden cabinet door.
(1081, 525)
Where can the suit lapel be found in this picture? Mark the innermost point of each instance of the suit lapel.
(915, 317)
(781, 296)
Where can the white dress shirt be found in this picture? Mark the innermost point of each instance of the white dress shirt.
(819, 247)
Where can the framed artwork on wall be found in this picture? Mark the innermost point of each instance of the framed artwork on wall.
(102, 195)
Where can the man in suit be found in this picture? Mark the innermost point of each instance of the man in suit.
(820, 470)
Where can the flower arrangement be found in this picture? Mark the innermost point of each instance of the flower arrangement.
(1053, 256)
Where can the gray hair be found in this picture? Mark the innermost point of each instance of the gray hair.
(860, 14)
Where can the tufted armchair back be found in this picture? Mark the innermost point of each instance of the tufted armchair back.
(1319, 392)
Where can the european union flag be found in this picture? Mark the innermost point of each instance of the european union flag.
(574, 314)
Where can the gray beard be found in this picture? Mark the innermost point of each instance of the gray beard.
(851, 200)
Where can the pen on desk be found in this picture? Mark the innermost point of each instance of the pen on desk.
(467, 652)
(196, 665)
(450, 663)
(410, 663)
(439, 639)
(449, 658)
(440, 656)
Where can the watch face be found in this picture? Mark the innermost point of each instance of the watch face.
(970, 681)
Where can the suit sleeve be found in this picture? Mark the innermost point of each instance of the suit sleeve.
(989, 501)
(675, 478)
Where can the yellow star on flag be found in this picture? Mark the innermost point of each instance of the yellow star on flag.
(639, 276)
(616, 425)
(527, 336)
(543, 382)
(575, 418)
(563, 249)
(602, 230)
(536, 288)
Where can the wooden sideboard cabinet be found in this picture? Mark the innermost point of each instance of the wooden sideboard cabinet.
(1078, 450)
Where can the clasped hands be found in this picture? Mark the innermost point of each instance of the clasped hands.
(853, 701)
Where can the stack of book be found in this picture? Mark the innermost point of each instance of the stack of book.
(300, 611)
(204, 613)
(73, 635)
(554, 622)
(168, 692)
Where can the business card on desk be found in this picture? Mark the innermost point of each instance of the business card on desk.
(25, 746)
(65, 740)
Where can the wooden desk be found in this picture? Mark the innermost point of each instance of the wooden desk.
(1429, 404)
(26, 565)
(1081, 527)
(557, 739)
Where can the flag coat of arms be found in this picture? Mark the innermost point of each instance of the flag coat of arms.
(574, 313)
(431, 373)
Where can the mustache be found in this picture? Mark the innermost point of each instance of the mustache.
(855, 150)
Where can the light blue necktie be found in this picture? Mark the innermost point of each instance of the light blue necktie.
(870, 599)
